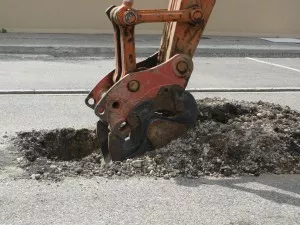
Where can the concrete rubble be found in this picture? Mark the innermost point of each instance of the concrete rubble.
(230, 139)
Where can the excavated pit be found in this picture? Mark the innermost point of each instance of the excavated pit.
(231, 138)
(63, 144)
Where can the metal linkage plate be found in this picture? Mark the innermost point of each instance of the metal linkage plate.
(152, 124)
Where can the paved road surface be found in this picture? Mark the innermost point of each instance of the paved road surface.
(268, 199)
(273, 200)
(27, 112)
(208, 73)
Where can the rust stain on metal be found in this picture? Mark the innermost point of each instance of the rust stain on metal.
(159, 79)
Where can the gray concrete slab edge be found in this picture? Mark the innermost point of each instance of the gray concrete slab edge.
(192, 90)
(207, 51)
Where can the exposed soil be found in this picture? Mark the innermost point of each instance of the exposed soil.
(231, 138)
(64, 144)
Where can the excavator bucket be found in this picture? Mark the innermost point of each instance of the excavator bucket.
(143, 106)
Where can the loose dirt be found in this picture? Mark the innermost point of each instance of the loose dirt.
(230, 139)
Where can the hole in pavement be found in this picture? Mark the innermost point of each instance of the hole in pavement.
(62, 144)
(230, 138)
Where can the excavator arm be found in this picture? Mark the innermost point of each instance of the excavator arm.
(143, 106)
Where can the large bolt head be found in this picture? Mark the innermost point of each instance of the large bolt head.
(130, 17)
(133, 86)
(197, 16)
(182, 67)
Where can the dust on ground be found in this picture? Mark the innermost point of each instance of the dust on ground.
(231, 138)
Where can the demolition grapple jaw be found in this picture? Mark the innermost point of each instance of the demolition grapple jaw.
(151, 124)
(143, 106)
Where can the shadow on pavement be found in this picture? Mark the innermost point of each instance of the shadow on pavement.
(270, 187)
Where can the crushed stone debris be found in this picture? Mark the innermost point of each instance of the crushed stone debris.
(230, 139)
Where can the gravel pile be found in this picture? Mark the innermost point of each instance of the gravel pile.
(231, 139)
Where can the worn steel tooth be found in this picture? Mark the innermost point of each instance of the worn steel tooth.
(102, 135)
(115, 146)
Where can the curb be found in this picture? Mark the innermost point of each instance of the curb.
(192, 90)
(204, 51)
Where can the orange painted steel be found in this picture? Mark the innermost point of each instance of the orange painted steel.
(180, 37)
(134, 17)
(131, 83)
(119, 101)
(185, 23)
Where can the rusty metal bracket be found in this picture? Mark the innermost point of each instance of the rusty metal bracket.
(139, 103)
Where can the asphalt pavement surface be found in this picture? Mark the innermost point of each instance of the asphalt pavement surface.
(84, 73)
(269, 199)
(26, 112)
(273, 200)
